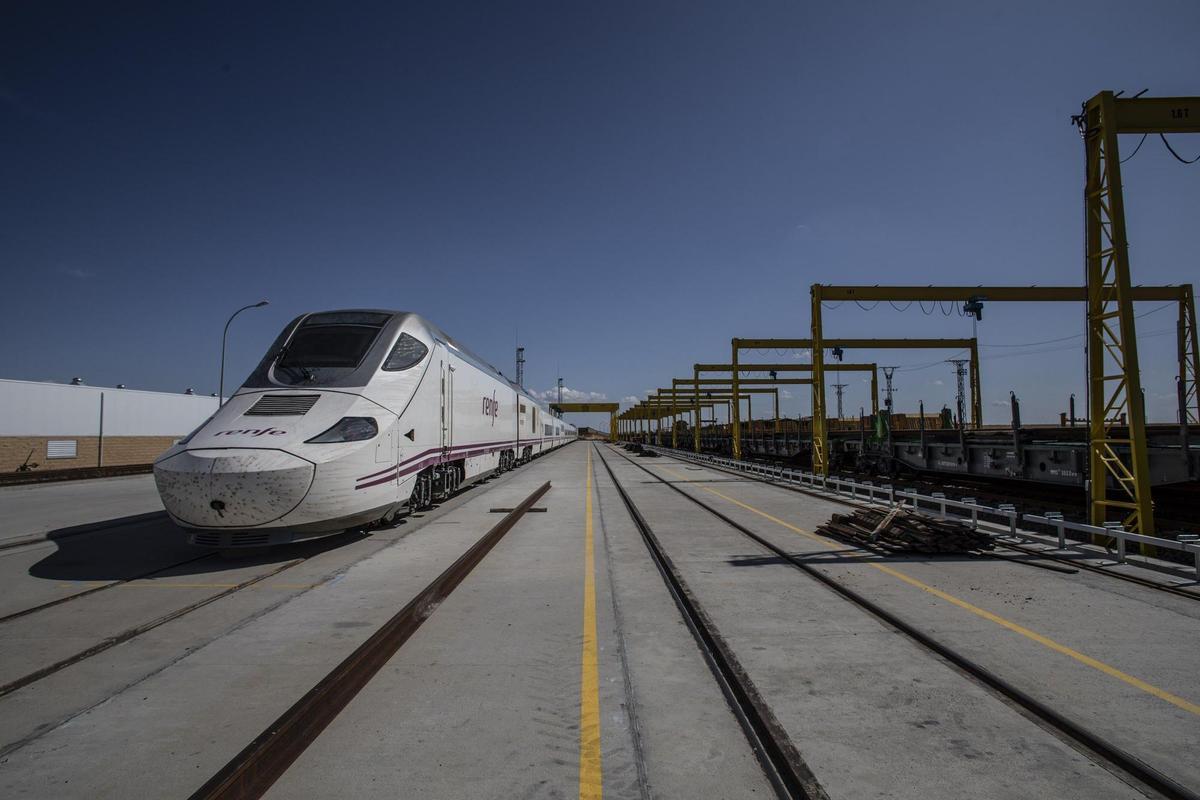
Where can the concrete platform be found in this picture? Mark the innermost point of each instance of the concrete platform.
(561, 667)
(491, 688)
(1115, 656)
(486, 698)
(48, 510)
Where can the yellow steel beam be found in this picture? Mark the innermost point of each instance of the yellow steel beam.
(727, 391)
(820, 436)
(736, 423)
(585, 407)
(1155, 114)
(858, 344)
(785, 367)
(872, 368)
(1114, 377)
(675, 418)
(742, 381)
(1189, 361)
(1022, 294)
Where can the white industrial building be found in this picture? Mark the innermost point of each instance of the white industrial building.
(61, 426)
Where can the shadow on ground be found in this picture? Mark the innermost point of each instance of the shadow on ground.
(133, 546)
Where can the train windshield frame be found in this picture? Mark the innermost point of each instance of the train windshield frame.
(326, 348)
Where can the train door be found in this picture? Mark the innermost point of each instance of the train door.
(447, 406)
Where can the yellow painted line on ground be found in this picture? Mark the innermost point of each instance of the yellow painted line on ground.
(591, 784)
(1045, 641)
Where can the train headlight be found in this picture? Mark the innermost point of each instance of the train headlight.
(348, 429)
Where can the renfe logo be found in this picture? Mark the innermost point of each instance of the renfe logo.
(491, 408)
(251, 432)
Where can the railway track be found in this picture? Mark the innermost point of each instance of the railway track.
(781, 762)
(96, 589)
(316, 546)
(1099, 748)
(137, 630)
(1074, 563)
(255, 769)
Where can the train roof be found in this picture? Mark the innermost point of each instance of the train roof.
(400, 317)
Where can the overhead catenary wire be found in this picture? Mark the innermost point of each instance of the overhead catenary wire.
(1135, 150)
(1079, 335)
(1178, 157)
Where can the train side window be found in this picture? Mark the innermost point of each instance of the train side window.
(408, 352)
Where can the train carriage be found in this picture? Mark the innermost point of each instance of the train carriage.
(350, 417)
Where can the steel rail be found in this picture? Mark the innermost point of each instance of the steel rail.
(118, 582)
(252, 772)
(1145, 582)
(1149, 584)
(781, 762)
(1068, 728)
(138, 630)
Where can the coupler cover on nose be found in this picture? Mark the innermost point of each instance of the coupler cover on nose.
(232, 488)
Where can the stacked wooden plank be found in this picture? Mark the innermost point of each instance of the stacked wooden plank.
(902, 530)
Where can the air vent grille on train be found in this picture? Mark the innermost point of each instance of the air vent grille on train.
(231, 539)
(282, 405)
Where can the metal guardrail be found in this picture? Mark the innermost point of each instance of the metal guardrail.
(1005, 516)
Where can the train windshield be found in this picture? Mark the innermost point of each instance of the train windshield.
(326, 347)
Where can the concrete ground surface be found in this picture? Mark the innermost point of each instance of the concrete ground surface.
(44, 509)
(552, 673)
(1116, 657)
(490, 688)
(485, 698)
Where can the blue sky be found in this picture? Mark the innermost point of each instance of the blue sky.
(624, 186)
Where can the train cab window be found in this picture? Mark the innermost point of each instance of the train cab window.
(408, 352)
(327, 346)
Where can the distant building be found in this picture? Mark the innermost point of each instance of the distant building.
(63, 426)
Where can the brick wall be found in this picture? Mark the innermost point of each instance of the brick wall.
(118, 451)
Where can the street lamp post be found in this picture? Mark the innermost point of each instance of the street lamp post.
(221, 390)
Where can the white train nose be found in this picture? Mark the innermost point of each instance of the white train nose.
(230, 488)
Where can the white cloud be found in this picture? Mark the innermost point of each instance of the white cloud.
(569, 395)
(785, 394)
(1001, 403)
(630, 399)
(939, 382)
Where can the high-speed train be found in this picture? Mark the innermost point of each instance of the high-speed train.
(349, 417)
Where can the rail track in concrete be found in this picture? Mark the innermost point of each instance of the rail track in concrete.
(308, 548)
(781, 762)
(1097, 746)
(1046, 554)
(252, 772)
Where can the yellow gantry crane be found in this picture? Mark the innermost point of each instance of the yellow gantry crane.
(1140, 519)
(724, 386)
(1114, 383)
(735, 369)
(1114, 380)
(1117, 424)
(818, 374)
(666, 402)
(590, 408)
